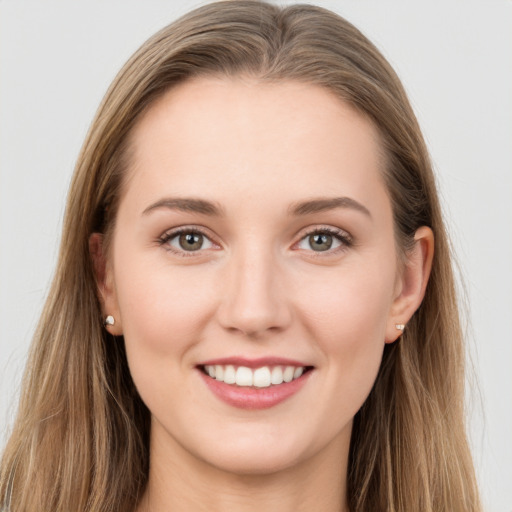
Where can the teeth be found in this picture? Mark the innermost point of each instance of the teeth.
(218, 372)
(229, 375)
(288, 373)
(277, 375)
(262, 377)
(243, 376)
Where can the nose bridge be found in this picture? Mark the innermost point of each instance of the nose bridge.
(254, 300)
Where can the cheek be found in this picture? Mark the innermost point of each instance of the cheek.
(348, 320)
(163, 309)
(351, 306)
(163, 313)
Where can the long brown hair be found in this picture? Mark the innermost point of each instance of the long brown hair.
(81, 438)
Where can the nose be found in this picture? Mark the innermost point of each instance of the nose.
(254, 300)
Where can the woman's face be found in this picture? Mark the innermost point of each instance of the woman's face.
(254, 233)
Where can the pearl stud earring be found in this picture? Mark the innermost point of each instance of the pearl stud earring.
(400, 327)
(109, 320)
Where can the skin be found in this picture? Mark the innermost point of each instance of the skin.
(256, 288)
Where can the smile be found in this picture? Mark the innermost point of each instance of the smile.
(254, 384)
(262, 377)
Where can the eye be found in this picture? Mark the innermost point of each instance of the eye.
(186, 240)
(323, 240)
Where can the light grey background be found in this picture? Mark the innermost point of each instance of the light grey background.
(455, 59)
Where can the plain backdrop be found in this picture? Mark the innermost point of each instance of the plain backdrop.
(455, 58)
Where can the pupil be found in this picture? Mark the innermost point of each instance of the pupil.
(320, 242)
(191, 241)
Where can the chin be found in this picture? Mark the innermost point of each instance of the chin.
(258, 455)
(254, 464)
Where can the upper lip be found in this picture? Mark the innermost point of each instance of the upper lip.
(253, 363)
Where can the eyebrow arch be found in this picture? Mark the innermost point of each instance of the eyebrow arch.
(329, 203)
(186, 204)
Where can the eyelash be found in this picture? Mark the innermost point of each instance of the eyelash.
(341, 236)
(170, 235)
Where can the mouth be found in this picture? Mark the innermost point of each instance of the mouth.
(254, 384)
(260, 377)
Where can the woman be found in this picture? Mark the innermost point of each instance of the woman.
(247, 311)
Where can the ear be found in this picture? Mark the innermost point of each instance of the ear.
(411, 283)
(105, 282)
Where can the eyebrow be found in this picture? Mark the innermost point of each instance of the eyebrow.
(186, 205)
(301, 208)
(323, 204)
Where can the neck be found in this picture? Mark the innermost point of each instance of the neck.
(180, 481)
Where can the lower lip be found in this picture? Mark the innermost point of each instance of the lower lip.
(254, 398)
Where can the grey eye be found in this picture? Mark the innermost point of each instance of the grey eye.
(190, 241)
(320, 241)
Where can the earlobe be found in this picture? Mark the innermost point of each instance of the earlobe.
(413, 283)
(105, 285)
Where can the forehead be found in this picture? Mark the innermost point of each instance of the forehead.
(241, 137)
